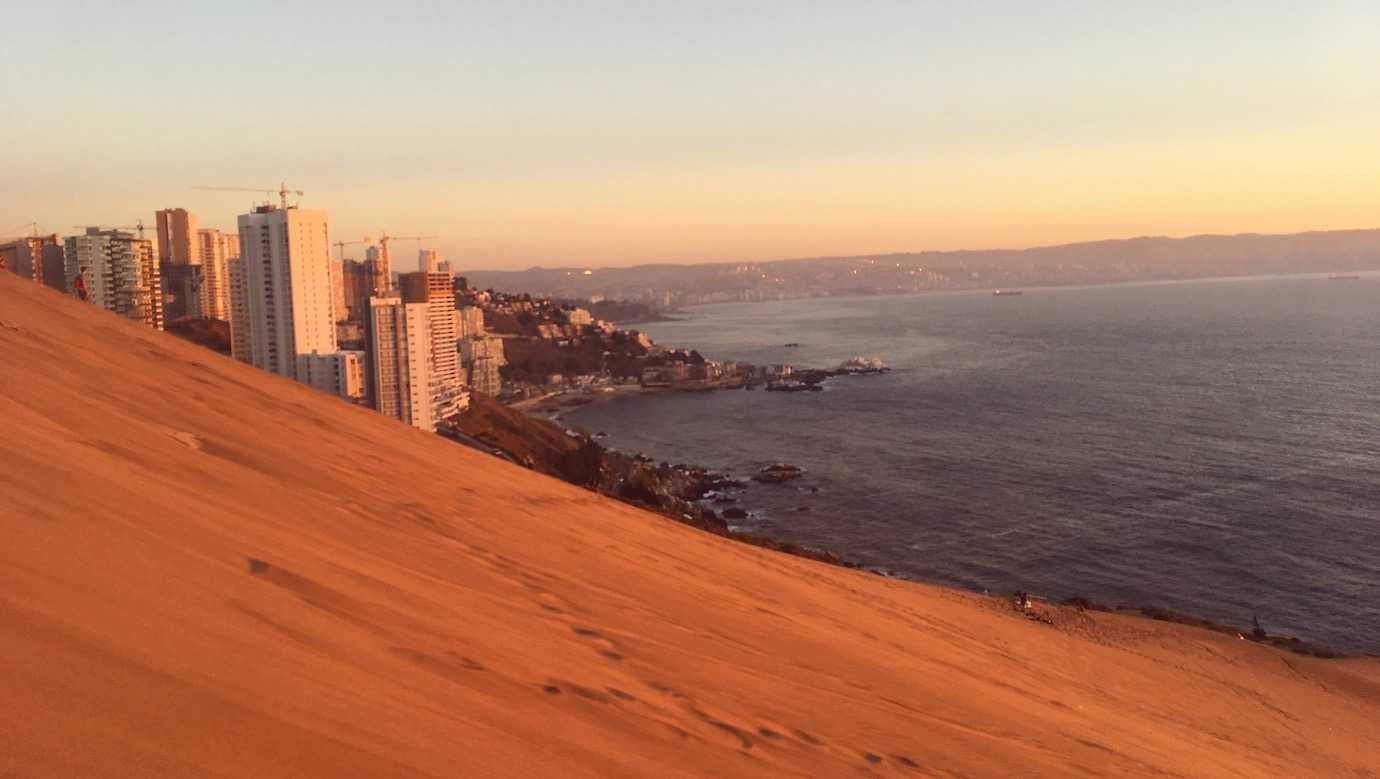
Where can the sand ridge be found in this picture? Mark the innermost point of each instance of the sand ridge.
(208, 570)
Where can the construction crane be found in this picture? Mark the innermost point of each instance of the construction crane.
(340, 245)
(27, 230)
(282, 191)
(138, 225)
(384, 238)
(382, 265)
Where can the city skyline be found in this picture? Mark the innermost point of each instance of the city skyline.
(621, 135)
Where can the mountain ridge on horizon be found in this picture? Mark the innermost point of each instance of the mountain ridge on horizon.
(1106, 260)
(927, 252)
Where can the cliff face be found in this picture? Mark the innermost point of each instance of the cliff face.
(208, 570)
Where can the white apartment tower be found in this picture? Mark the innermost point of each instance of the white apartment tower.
(399, 348)
(445, 380)
(121, 273)
(285, 262)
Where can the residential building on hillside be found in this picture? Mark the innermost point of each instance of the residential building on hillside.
(481, 357)
(341, 374)
(36, 257)
(121, 273)
(285, 259)
(469, 322)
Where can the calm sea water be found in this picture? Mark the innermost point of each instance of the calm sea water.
(1211, 447)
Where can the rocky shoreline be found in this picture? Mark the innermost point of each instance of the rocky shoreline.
(710, 500)
(706, 485)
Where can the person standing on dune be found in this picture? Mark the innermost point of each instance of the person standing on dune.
(79, 284)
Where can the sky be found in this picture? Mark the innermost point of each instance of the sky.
(526, 133)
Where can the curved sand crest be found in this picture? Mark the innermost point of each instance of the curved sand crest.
(208, 570)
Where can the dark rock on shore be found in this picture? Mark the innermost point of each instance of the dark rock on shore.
(1287, 643)
(778, 473)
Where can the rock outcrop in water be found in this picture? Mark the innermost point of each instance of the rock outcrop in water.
(778, 473)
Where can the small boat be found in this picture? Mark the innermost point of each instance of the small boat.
(1342, 277)
(1001, 293)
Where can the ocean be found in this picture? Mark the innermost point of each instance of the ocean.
(1210, 447)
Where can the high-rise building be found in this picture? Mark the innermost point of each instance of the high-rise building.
(239, 310)
(338, 305)
(36, 257)
(183, 287)
(286, 263)
(357, 285)
(446, 385)
(215, 262)
(340, 374)
(237, 297)
(177, 237)
(429, 261)
(380, 268)
(232, 245)
(399, 345)
(121, 273)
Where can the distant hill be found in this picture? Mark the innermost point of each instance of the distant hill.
(207, 570)
(1135, 259)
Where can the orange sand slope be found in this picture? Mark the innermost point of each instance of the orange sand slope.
(206, 570)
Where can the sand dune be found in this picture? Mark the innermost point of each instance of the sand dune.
(208, 571)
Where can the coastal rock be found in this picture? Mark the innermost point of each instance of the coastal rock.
(778, 473)
(734, 513)
(863, 365)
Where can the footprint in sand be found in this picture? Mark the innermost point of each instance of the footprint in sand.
(601, 644)
(187, 439)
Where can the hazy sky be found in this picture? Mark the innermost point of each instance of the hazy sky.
(550, 133)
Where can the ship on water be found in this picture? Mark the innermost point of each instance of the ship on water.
(1343, 277)
(1005, 292)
